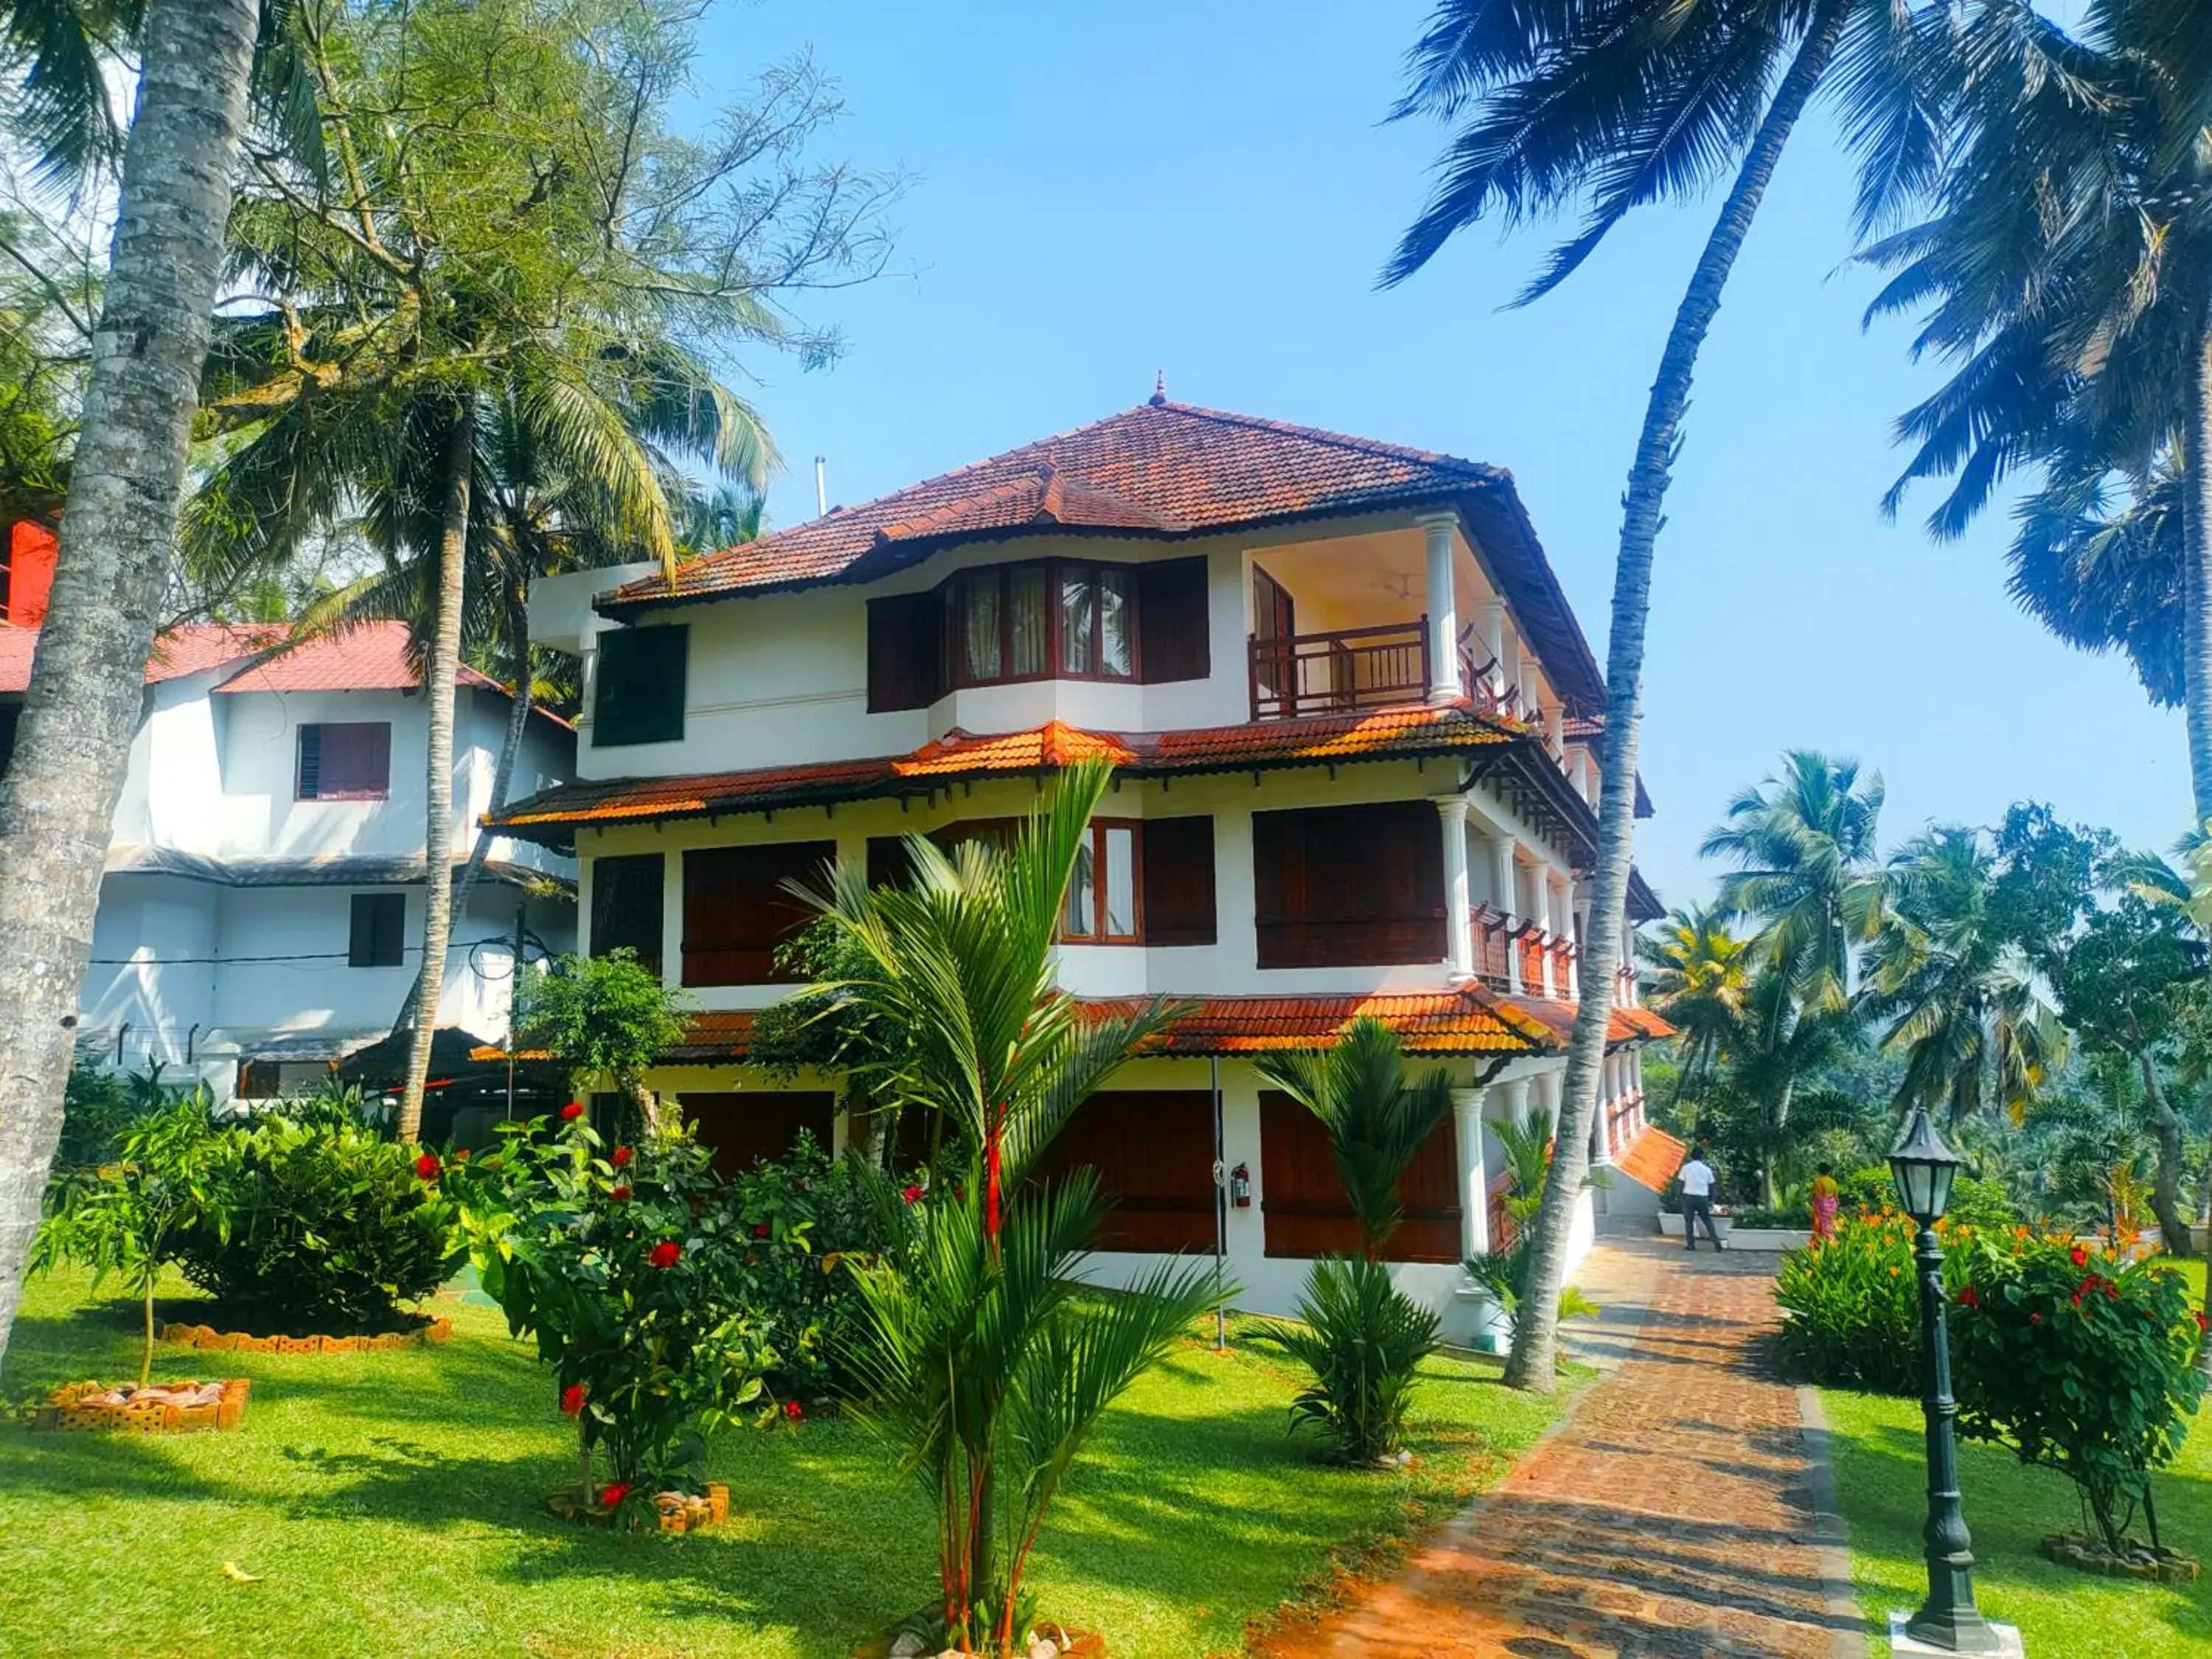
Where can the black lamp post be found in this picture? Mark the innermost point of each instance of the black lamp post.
(1923, 1168)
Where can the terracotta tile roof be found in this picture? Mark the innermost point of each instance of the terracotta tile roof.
(1558, 1018)
(1463, 1021)
(1160, 470)
(1651, 1158)
(1384, 734)
(190, 649)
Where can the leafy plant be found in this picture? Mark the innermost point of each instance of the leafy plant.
(2081, 1362)
(318, 1225)
(627, 1268)
(985, 1363)
(1363, 1339)
(1850, 1305)
(607, 1018)
(1503, 1271)
(126, 1217)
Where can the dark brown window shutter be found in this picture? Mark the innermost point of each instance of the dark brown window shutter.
(889, 863)
(1178, 867)
(1171, 623)
(378, 938)
(905, 652)
(1152, 1151)
(639, 685)
(737, 910)
(1349, 886)
(1302, 1197)
(627, 903)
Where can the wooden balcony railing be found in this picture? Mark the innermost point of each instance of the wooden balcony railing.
(1532, 962)
(1493, 944)
(1335, 673)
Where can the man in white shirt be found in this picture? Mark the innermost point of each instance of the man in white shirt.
(1697, 1179)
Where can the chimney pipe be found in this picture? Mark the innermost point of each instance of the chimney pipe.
(821, 487)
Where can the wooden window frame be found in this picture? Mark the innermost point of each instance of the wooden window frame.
(952, 600)
(664, 641)
(364, 935)
(300, 791)
(1097, 829)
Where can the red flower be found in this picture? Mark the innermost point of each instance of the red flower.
(2035, 1319)
(572, 1400)
(614, 1494)
(911, 1194)
(667, 1254)
(794, 1410)
(620, 1194)
(428, 1166)
(2081, 1256)
(571, 1112)
(2202, 1323)
(462, 1156)
(1969, 1297)
(620, 1156)
(760, 1230)
(2112, 1289)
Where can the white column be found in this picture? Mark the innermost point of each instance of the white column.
(1473, 1178)
(1493, 640)
(1543, 884)
(1444, 607)
(1555, 729)
(1598, 1148)
(1458, 902)
(1528, 684)
(1501, 854)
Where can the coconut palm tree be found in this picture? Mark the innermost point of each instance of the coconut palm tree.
(982, 1366)
(1617, 103)
(1808, 878)
(1976, 1023)
(1697, 974)
(2068, 272)
(195, 59)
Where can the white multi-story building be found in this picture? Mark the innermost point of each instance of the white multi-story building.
(261, 914)
(1354, 724)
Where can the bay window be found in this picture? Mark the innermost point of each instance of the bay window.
(1052, 620)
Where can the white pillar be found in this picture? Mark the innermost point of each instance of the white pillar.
(1543, 977)
(1444, 607)
(1473, 1178)
(1555, 729)
(1458, 902)
(1493, 640)
(1501, 854)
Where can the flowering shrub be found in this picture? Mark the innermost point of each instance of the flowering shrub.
(2078, 1361)
(633, 1299)
(1851, 1305)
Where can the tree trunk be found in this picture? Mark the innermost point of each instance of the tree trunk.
(88, 676)
(441, 663)
(502, 780)
(2197, 571)
(2166, 1182)
(1534, 1361)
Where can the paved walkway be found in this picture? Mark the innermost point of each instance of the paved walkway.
(1671, 1517)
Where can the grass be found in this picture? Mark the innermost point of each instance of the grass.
(393, 1503)
(1881, 1480)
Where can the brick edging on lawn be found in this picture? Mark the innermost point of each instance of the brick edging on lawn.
(1831, 1533)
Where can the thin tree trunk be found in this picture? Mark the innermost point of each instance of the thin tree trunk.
(2166, 1181)
(439, 664)
(117, 535)
(1534, 1361)
(2197, 571)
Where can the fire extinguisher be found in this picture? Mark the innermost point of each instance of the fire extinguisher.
(1240, 1186)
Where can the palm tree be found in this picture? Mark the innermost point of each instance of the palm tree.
(1964, 1005)
(2067, 272)
(1624, 103)
(87, 682)
(1803, 843)
(981, 1365)
(1698, 975)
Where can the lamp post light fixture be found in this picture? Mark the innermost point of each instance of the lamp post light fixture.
(1923, 1168)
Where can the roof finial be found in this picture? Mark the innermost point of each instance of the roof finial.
(1160, 398)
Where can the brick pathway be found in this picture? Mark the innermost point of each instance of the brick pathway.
(1671, 1516)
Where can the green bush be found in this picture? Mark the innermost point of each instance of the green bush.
(1364, 1342)
(821, 1217)
(625, 1267)
(317, 1226)
(1787, 1216)
(1974, 1202)
(2079, 1362)
(1851, 1305)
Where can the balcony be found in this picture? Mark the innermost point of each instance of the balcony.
(1340, 672)
(1501, 943)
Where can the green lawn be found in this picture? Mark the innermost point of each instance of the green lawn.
(392, 1504)
(2063, 1613)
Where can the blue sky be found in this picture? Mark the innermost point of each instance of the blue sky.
(1209, 189)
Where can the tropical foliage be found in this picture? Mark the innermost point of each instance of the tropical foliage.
(607, 1019)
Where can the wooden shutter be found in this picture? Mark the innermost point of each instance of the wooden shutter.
(638, 687)
(627, 903)
(1173, 639)
(345, 760)
(377, 938)
(905, 652)
(1178, 868)
(889, 864)
(743, 1128)
(1302, 1199)
(1349, 886)
(737, 910)
(1153, 1151)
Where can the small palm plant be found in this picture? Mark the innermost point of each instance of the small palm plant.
(1504, 1270)
(1363, 1339)
(982, 1359)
